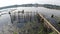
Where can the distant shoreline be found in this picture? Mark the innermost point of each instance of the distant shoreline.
(49, 6)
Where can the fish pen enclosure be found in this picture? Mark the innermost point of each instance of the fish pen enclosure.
(28, 23)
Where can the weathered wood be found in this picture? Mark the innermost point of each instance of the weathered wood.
(46, 21)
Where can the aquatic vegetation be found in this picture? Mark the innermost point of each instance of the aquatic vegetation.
(15, 33)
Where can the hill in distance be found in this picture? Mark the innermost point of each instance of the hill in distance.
(50, 6)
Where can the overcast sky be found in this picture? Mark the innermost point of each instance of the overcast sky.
(14, 2)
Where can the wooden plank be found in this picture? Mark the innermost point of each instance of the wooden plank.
(49, 23)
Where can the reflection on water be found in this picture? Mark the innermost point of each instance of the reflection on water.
(24, 20)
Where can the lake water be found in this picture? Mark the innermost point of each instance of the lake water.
(6, 20)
